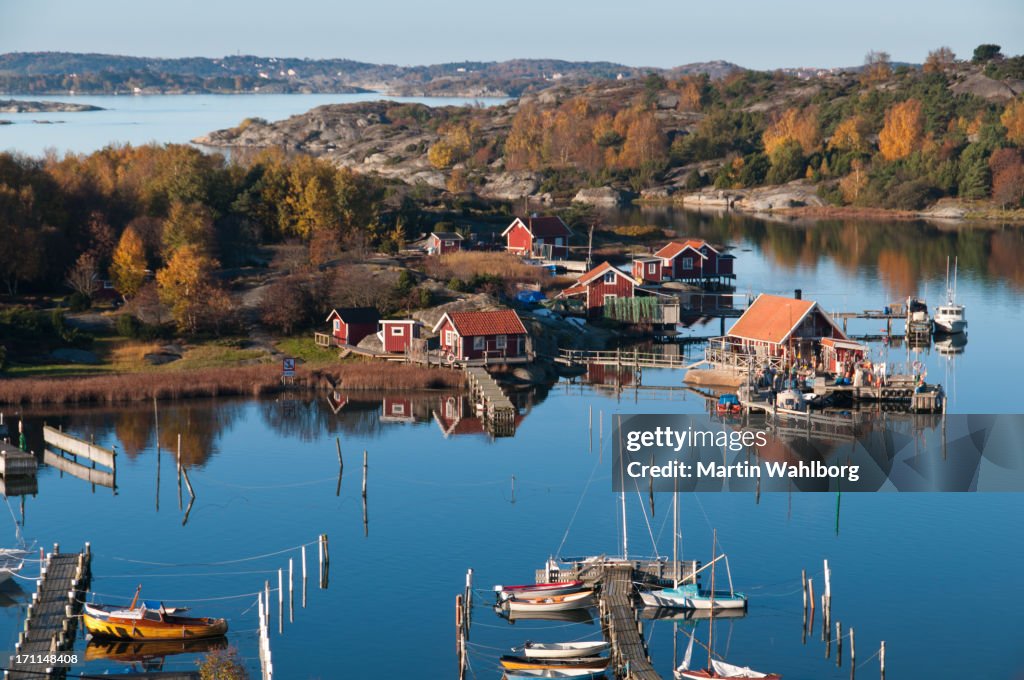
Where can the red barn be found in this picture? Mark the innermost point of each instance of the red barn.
(397, 334)
(693, 260)
(546, 237)
(442, 242)
(497, 334)
(600, 284)
(352, 324)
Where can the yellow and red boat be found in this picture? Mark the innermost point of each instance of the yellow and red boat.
(146, 621)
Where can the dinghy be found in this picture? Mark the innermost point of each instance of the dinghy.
(553, 603)
(538, 589)
(564, 650)
(576, 674)
(12, 561)
(520, 663)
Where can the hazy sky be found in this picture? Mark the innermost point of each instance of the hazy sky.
(753, 33)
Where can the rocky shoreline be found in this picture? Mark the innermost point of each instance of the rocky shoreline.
(22, 106)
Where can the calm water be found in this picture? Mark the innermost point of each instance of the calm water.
(909, 569)
(164, 118)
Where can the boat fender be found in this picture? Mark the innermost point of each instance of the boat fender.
(451, 358)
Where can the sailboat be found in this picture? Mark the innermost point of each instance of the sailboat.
(691, 596)
(716, 668)
(949, 318)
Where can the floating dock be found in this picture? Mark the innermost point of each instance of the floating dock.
(16, 463)
(52, 617)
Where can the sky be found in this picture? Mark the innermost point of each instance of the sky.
(754, 33)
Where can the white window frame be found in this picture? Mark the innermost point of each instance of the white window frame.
(449, 339)
(479, 343)
(686, 263)
(607, 297)
(500, 341)
(397, 329)
(337, 325)
(652, 268)
(609, 277)
(398, 408)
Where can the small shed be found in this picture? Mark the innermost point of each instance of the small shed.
(497, 334)
(351, 324)
(442, 242)
(397, 334)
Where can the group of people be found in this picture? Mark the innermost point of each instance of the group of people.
(863, 373)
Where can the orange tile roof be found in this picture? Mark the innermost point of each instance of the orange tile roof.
(771, 318)
(672, 249)
(601, 269)
(497, 322)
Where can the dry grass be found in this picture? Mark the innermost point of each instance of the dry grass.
(466, 265)
(213, 382)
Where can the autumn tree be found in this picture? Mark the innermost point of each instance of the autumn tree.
(877, 67)
(525, 138)
(83, 277)
(1013, 120)
(939, 60)
(849, 135)
(796, 125)
(1007, 169)
(854, 183)
(903, 130)
(454, 146)
(128, 269)
(186, 286)
(187, 224)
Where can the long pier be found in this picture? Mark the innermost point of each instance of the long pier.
(52, 617)
(498, 410)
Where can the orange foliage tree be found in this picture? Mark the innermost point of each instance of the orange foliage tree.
(1013, 120)
(849, 135)
(797, 125)
(903, 130)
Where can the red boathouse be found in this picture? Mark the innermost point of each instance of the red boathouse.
(497, 335)
(546, 237)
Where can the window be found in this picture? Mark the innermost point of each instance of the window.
(558, 240)
(449, 339)
(609, 277)
(501, 341)
(652, 268)
(397, 330)
(609, 297)
(449, 243)
(337, 324)
(398, 409)
(687, 263)
(479, 342)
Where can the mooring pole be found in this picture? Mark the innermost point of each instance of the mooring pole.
(303, 577)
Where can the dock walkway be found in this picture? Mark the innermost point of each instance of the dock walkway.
(619, 623)
(498, 410)
(52, 617)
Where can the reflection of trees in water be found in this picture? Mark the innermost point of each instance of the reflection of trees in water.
(199, 425)
(921, 247)
(311, 417)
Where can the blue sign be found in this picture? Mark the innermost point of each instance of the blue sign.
(288, 367)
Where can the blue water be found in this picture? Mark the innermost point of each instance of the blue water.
(141, 119)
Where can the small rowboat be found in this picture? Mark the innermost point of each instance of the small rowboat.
(520, 663)
(538, 589)
(563, 650)
(574, 673)
(553, 603)
(148, 621)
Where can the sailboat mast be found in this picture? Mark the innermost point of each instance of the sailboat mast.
(954, 275)
(711, 620)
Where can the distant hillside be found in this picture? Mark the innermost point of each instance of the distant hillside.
(61, 72)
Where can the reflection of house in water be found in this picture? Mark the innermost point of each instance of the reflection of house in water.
(454, 415)
(611, 376)
(397, 409)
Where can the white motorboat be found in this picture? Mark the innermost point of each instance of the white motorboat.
(564, 650)
(949, 318)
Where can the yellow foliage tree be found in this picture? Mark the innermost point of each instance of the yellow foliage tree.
(187, 224)
(186, 284)
(903, 130)
(853, 184)
(849, 135)
(525, 139)
(939, 60)
(455, 145)
(128, 268)
(877, 67)
(1013, 120)
(798, 125)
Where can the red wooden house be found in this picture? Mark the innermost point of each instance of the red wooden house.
(466, 336)
(647, 269)
(690, 260)
(352, 324)
(789, 329)
(546, 237)
(600, 284)
(442, 242)
(397, 334)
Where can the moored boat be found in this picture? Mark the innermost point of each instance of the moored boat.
(564, 650)
(12, 561)
(147, 621)
(552, 603)
(520, 663)
(691, 597)
(575, 673)
(949, 318)
(538, 589)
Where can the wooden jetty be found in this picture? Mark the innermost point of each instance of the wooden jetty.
(52, 617)
(78, 448)
(621, 358)
(16, 463)
(499, 413)
(618, 603)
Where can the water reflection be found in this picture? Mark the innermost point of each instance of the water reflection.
(148, 656)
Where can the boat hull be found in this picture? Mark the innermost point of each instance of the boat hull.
(576, 674)
(710, 675)
(555, 603)
(685, 599)
(950, 326)
(539, 590)
(518, 663)
(571, 650)
(143, 630)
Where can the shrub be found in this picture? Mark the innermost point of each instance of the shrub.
(79, 302)
(222, 664)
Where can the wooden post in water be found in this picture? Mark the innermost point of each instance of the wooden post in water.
(600, 431)
(266, 598)
(366, 522)
(341, 465)
(179, 471)
(881, 658)
(303, 577)
(839, 644)
(803, 581)
(853, 655)
(320, 550)
(468, 600)
(280, 601)
(291, 590)
(590, 425)
(327, 562)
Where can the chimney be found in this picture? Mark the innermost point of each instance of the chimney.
(798, 294)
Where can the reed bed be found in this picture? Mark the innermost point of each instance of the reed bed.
(468, 264)
(230, 381)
